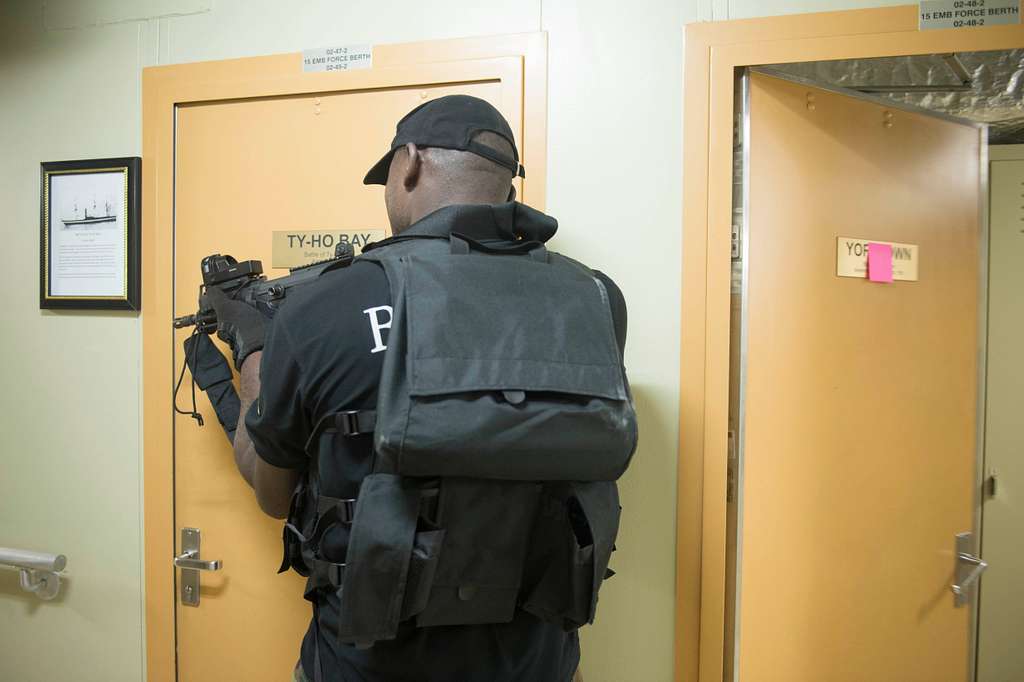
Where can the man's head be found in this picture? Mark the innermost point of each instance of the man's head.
(453, 150)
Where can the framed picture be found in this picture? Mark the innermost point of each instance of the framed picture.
(89, 234)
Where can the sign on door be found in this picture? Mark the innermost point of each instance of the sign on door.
(852, 258)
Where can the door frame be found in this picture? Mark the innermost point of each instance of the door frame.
(521, 57)
(1009, 152)
(713, 51)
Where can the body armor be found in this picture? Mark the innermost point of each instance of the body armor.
(503, 420)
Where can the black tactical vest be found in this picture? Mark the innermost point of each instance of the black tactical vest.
(503, 420)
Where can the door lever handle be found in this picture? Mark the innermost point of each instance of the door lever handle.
(190, 563)
(188, 560)
(979, 568)
(968, 569)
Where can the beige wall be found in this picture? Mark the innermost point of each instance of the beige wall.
(70, 462)
(69, 419)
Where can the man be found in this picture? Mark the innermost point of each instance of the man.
(451, 167)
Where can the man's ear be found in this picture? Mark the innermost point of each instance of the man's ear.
(414, 164)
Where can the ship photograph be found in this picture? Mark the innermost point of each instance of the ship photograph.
(96, 218)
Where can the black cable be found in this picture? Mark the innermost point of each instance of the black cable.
(195, 356)
(194, 414)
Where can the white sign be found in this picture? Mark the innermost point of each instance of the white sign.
(337, 58)
(936, 14)
(852, 258)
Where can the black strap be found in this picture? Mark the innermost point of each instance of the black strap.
(294, 530)
(429, 498)
(355, 422)
(318, 671)
(330, 511)
(346, 422)
(286, 554)
(400, 238)
(497, 157)
(327, 573)
(344, 507)
(462, 245)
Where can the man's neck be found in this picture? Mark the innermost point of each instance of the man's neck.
(420, 212)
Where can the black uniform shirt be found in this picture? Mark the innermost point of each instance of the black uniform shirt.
(324, 353)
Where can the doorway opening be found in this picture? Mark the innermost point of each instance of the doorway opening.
(910, 138)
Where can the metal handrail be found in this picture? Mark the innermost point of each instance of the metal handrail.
(40, 571)
(33, 561)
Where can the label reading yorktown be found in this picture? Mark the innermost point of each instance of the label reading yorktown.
(937, 14)
(852, 258)
(290, 249)
(344, 58)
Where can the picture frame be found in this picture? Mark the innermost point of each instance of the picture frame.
(89, 234)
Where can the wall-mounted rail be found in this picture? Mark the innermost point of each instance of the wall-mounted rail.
(40, 572)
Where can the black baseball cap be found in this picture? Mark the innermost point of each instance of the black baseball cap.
(450, 123)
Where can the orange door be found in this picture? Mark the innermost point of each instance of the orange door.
(243, 169)
(858, 423)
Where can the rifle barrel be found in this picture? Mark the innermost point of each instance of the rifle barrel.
(186, 321)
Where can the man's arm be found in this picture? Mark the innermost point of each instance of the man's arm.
(273, 485)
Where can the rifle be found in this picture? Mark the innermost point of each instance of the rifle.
(244, 282)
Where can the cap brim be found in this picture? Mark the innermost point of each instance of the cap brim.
(378, 175)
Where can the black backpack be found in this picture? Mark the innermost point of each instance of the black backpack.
(503, 420)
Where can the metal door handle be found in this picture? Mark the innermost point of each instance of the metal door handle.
(968, 569)
(188, 560)
(190, 563)
(979, 568)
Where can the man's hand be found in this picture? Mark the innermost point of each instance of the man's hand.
(238, 324)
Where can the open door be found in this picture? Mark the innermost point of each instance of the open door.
(254, 154)
(857, 415)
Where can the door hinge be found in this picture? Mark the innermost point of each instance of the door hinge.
(990, 486)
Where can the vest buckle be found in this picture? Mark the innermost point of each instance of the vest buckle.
(355, 422)
(336, 574)
(347, 422)
(347, 510)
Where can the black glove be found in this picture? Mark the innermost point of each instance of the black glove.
(239, 324)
